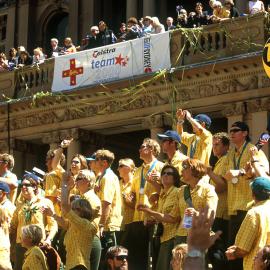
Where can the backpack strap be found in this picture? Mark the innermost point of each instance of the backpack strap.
(187, 196)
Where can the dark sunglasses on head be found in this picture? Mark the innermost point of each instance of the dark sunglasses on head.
(121, 257)
(167, 173)
(234, 130)
(75, 161)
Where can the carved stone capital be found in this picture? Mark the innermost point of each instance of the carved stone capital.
(52, 137)
(237, 108)
(258, 105)
(153, 121)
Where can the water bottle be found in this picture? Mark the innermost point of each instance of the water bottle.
(187, 222)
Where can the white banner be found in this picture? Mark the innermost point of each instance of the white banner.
(113, 62)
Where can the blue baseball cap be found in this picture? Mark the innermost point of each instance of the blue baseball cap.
(91, 158)
(4, 187)
(203, 118)
(260, 183)
(170, 134)
(36, 178)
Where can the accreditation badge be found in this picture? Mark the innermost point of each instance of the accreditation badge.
(234, 180)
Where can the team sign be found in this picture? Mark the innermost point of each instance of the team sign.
(110, 63)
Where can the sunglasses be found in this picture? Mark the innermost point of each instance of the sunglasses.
(185, 166)
(80, 178)
(75, 161)
(27, 185)
(167, 173)
(234, 130)
(121, 257)
(143, 146)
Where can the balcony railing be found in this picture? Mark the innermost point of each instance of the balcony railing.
(209, 43)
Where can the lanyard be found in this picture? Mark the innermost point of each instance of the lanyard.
(237, 165)
(100, 177)
(142, 176)
(193, 148)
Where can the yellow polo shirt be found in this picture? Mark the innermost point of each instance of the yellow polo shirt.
(53, 182)
(127, 211)
(167, 201)
(224, 13)
(177, 161)
(220, 169)
(148, 188)
(46, 223)
(240, 194)
(202, 144)
(109, 191)
(5, 248)
(202, 195)
(254, 232)
(78, 240)
(95, 203)
(34, 259)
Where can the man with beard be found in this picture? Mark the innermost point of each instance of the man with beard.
(116, 258)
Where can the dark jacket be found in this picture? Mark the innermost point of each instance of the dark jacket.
(91, 42)
(106, 37)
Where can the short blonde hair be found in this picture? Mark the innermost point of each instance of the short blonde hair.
(33, 232)
(179, 254)
(89, 176)
(127, 162)
(9, 159)
(154, 145)
(104, 154)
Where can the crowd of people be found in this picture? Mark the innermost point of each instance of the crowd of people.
(101, 35)
(178, 214)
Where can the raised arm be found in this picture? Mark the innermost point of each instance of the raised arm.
(58, 153)
(68, 183)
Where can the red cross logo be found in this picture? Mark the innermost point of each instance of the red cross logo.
(72, 72)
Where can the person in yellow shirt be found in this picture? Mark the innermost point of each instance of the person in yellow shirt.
(85, 182)
(239, 192)
(77, 221)
(220, 13)
(196, 194)
(144, 191)
(170, 143)
(34, 258)
(255, 229)
(108, 191)
(199, 144)
(6, 166)
(170, 180)
(28, 211)
(126, 170)
(4, 243)
(221, 143)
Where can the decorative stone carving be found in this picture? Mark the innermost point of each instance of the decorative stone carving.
(258, 105)
(153, 121)
(234, 109)
(224, 87)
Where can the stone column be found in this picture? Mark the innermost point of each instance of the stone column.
(149, 7)
(87, 16)
(132, 7)
(73, 21)
(11, 20)
(234, 112)
(23, 23)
